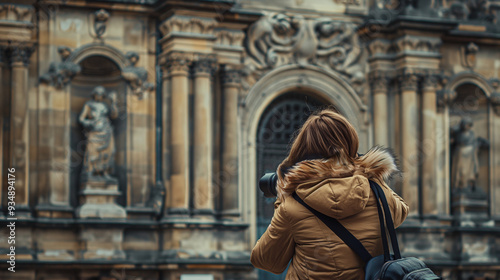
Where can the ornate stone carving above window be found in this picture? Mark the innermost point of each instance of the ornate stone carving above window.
(279, 39)
(61, 73)
(136, 77)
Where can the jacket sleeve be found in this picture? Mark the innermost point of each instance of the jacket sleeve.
(399, 208)
(276, 247)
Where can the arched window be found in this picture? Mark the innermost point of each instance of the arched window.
(277, 126)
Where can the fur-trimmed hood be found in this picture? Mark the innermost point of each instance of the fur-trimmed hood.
(339, 190)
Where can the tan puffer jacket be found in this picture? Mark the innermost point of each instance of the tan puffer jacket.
(344, 193)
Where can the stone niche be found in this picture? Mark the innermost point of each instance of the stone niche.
(99, 194)
(470, 154)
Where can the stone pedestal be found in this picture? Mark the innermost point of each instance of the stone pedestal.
(105, 244)
(98, 200)
(470, 206)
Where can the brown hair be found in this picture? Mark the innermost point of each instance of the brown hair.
(325, 134)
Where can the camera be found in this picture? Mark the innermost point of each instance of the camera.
(267, 184)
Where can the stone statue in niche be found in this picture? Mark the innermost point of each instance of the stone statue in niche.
(465, 165)
(96, 118)
(136, 77)
(61, 73)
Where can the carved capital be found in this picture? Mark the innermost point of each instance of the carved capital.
(430, 82)
(231, 77)
(379, 82)
(11, 12)
(204, 66)
(20, 55)
(184, 24)
(230, 38)
(178, 63)
(379, 46)
(408, 81)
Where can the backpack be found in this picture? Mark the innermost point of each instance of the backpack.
(387, 266)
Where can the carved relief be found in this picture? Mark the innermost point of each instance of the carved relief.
(468, 55)
(279, 39)
(61, 73)
(136, 77)
(16, 13)
(416, 43)
(182, 24)
(229, 38)
(100, 20)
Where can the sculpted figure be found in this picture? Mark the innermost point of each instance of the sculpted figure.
(96, 118)
(465, 147)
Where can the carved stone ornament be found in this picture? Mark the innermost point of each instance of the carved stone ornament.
(61, 73)
(478, 10)
(495, 96)
(408, 80)
(379, 82)
(136, 77)
(12, 12)
(278, 39)
(206, 66)
(229, 38)
(184, 24)
(469, 55)
(100, 21)
(157, 198)
(21, 54)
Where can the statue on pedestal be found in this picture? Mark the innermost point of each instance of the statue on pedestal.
(99, 188)
(465, 146)
(96, 118)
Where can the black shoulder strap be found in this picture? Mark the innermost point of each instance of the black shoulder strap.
(340, 230)
(388, 219)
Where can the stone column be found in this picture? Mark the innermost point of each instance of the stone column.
(19, 130)
(166, 148)
(229, 168)
(380, 114)
(178, 69)
(409, 140)
(428, 146)
(203, 137)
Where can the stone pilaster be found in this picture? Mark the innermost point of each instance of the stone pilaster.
(19, 129)
(229, 168)
(178, 194)
(379, 83)
(428, 146)
(203, 137)
(409, 140)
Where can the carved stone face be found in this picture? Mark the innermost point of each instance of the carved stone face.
(99, 93)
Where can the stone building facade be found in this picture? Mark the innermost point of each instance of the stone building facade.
(137, 129)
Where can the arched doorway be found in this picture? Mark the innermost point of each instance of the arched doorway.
(278, 123)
